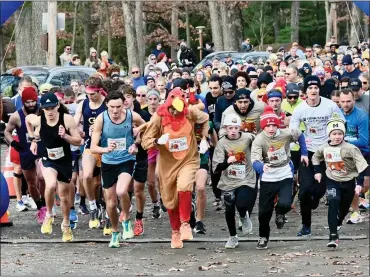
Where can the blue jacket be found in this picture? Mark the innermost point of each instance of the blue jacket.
(139, 81)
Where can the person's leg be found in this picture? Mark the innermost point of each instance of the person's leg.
(215, 178)
(229, 201)
(348, 192)
(123, 183)
(50, 176)
(200, 184)
(88, 165)
(285, 196)
(17, 181)
(152, 183)
(65, 201)
(268, 191)
(334, 198)
(111, 204)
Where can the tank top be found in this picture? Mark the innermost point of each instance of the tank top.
(89, 116)
(120, 133)
(57, 149)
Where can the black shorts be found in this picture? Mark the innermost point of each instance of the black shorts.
(75, 157)
(141, 171)
(64, 171)
(97, 171)
(110, 172)
(27, 160)
(204, 166)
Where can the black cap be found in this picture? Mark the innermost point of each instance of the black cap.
(49, 100)
(347, 60)
(355, 84)
(228, 83)
(228, 55)
(292, 88)
(311, 80)
(242, 94)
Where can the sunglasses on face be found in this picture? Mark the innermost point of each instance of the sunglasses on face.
(229, 92)
(68, 48)
(135, 72)
(141, 95)
(364, 83)
(292, 97)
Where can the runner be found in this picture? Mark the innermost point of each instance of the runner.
(113, 131)
(57, 132)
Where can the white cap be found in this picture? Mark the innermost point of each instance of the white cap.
(232, 120)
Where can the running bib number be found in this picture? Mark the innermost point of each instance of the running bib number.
(236, 172)
(120, 143)
(178, 145)
(55, 153)
(277, 156)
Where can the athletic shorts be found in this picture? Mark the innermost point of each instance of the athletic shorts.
(27, 160)
(141, 171)
(64, 171)
(152, 155)
(204, 166)
(75, 160)
(96, 156)
(111, 172)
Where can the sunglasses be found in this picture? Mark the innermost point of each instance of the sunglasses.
(68, 48)
(141, 95)
(134, 72)
(229, 92)
(364, 83)
(292, 97)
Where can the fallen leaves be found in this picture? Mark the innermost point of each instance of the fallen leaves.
(344, 263)
(211, 265)
(276, 269)
(176, 269)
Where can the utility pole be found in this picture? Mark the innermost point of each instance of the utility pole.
(52, 32)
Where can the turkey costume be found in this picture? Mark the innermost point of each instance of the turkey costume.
(178, 159)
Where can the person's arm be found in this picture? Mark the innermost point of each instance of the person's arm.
(295, 120)
(257, 157)
(217, 117)
(361, 165)
(219, 161)
(96, 136)
(152, 132)
(78, 114)
(363, 132)
(32, 122)
(201, 118)
(12, 124)
(74, 137)
(137, 120)
(317, 158)
(222, 129)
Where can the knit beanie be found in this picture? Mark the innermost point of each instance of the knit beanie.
(92, 49)
(29, 93)
(148, 78)
(311, 80)
(335, 123)
(153, 92)
(161, 56)
(269, 117)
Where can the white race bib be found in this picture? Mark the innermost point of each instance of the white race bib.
(277, 156)
(120, 143)
(55, 153)
(334, 160)
(178, 144)
(236, 171)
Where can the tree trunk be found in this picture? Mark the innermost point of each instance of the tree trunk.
(2, 52)
(262, 25)
(216, 25)
(174, 29)
(100, 29)
(225, 26)
(139, 32)
(23, 37)
(231, 25)
(131, 44)
(86, 22)
(109, 28)
(366, 26)
(74, 27)
(355, 34)
(294, 22)
(37, 53)
(275, 15)
(329, 20)
(187, 23)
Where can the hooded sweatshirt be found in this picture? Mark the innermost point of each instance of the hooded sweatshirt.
(203, 85)
(150, 62)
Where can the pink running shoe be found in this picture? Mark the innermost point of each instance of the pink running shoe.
(41, 215)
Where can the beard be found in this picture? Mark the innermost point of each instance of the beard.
(31, 110)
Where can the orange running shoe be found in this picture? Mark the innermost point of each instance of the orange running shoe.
(185, 230)
(139, 227)
(176, 241)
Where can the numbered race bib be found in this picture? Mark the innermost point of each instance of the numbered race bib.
(120, 143)
(277, 156)
(236, 172)
(55, 153)
(178, 144)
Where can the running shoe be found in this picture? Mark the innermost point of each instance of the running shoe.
(217, 204)
(232, 242)
(47, 225)
(114, 241)
(73, 219)
(83, 209)
(29, 202)
(41, 214)
(127, 232)
(77, 199)
(280, 221)
(107, 227)
(21, 207)
(200, 228)
(156, 212)
(333, 241)
(355, 218)
(262, 243)
(246, 225)
(139, 227)
(102, 217)
(185, 230)
(164, 209)
(94, 221)
(305, 231)
(363, 204)
(67, 234)
(176, 241)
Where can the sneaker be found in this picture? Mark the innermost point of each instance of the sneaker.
(200, 228)
(217, 204)
(280, 221)
(305, 231)
(139, 227)
(67, 234)
(262, 243)
(246, 225)
(102, 217)
(94, 221)
(354, 218)
(41, 214)
(363, 204)
(164, 209)
(176, 241)
(107, 230)
(114, 241)
(83, 209)
(127, 232)
(47, 226)
(73, 219)
(326, 201)
(232, 242)
(185, 230)
(333, 241)
(21, 207)
(156, 212)
(29, 202)
(77, 199)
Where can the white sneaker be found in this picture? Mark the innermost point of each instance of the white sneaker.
(21, 207)
(246, 225)
(354, 218)
(232, 242)
(29, 202)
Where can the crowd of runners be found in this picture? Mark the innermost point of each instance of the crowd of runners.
(293, 126)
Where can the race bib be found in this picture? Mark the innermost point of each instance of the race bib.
(178, 144)
(120, 143)
(278, 156)
(236, 172)
(28, 138)
(55, 153)
(335, 161)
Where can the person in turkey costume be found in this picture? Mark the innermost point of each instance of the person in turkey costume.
(171, 130)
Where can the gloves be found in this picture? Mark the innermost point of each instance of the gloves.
(17, 146)
(203, 146)
(163, 139)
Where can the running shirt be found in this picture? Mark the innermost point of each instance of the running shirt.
(57, 149)
(315, 120)
(121, 134)
(89, 116)
(211, 105)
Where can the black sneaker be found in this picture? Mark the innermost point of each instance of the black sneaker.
(192, 215)
(262, 243)
(83, 209)
(200, 228)
(164, 209)
(326, 201)
(156, 212)
(333, 241)
(280, 221)
(101, 212)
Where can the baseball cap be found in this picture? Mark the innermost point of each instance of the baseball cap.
(347, 60)
(232, 120)
(45, 88)
(49, 100)
(355, 84)
(292, 88)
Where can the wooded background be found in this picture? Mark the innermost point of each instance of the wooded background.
(129, 30)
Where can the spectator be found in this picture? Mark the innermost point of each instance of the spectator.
(349, 69)
(137, 80)
(66, 57)
(162, 62)
(246, 45)
(152, 60)
(187, 56)
(158, 50)
(141, 92)
(75, 60)
(208, 49)
(93, 60)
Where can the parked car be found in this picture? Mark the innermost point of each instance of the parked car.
(57, 76)
(245, 56)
